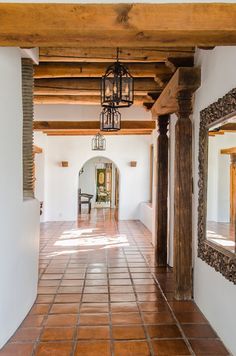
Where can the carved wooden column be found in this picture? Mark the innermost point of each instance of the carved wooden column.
(162, 191)
(183, 198)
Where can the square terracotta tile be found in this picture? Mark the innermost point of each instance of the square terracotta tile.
(208, 347)
(69, 290)
(126, 318)
(33, 320)
(131, 348)
(17, 349)
(124, 307)
(164, 331)
(45, 298)
(120, 282)
(190, 317)
(72, 283)
(56, 334)
(158, 318)
(26, 334)
(96, 282)
(126, 332)
(153, 306)
(94, 308)
(38, 309)
(127, 297)
(93, 332)
(68, 298)
(95, 298)
(54, 348)
(65, 308)
(124, 289)
(93, 348)
(96, 289)
(62, 320)
(170, 347)
(52, 276)
(198, 331)
(94, 319)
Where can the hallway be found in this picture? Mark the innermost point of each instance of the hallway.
(100, 294)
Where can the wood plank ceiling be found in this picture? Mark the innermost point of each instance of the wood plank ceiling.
(78, 41)
(73, 76)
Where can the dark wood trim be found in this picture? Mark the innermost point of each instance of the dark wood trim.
(91, 125)
(162, 191)
(183, 199)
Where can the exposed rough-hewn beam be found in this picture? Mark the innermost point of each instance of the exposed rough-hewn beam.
(141, 85)
(175, 62)
(139, 25)
(107, 54)
(94, 132)
(80, 70)
(148, 105)
(75, 99)
(90, 125)
(183, 79)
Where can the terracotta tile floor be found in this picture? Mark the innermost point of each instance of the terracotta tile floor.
(101, 294)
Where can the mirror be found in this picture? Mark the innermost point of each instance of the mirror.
(221, 184)
(216, 193)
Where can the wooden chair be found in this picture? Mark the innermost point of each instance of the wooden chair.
(87, 200)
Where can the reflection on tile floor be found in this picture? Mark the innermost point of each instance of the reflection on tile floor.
(101, 294)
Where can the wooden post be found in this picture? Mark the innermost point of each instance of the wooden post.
(183, 198)
(162, 191)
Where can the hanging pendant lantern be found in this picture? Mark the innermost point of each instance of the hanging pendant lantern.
(117, 86)
(110, 119)
(98, 143)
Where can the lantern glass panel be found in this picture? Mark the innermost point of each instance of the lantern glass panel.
(98, 143)
(110, 119)
(117, 87)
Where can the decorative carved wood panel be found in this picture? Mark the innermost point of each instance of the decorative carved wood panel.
(221, 260)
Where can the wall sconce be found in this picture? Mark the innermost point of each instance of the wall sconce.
(64, 163)
(133, 164)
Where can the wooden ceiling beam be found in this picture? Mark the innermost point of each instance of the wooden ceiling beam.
(94, 132)
(71, 86)
(94, 70)
(78, 100)
(100, 25)
(175, 62)
(108, 55)
(184, 79)
(91, 125)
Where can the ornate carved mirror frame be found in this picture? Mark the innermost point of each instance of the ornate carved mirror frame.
(220, 259)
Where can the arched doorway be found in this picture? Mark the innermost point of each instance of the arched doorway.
(98, 182)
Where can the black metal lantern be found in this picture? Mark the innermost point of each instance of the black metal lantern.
(110, 119)
(98, 143)
(117, 86)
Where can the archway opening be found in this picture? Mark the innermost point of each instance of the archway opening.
(98, 186)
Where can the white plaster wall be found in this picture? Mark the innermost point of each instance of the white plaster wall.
(146, 215)
(213, 293)
(19, 220)
(61, 184)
